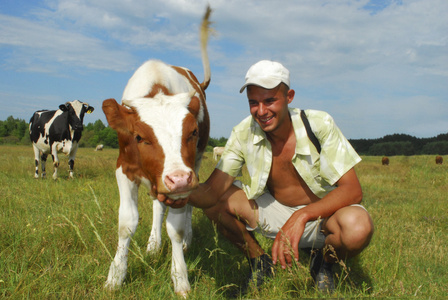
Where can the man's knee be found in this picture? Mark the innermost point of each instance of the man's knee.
(356, 229)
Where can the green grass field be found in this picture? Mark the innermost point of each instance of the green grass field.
(58, 237)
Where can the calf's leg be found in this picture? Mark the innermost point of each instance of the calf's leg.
(188, 229)
(175, 225)
(155, 238)
(127, 224)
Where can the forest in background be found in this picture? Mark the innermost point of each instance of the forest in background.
(15, 132)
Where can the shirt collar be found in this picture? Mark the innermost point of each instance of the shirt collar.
(302, 139)
(259, 134)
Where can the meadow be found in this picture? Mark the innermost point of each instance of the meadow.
(57, 238)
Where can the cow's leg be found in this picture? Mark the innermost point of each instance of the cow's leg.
(127, 224)
(155, 238)
(36, 161)
(54, 154)
(175, 225)
(71, 158)
(43, 161)
(71, 164)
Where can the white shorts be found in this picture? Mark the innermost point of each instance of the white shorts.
(272, 215)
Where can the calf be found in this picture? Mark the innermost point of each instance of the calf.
(53, 131)
(385, 161)
(439, 160)
(163, 128)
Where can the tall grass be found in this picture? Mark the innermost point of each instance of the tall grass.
(58, 237)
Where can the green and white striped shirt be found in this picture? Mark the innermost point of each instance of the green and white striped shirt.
(248, 145)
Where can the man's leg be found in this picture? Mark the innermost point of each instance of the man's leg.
(231, 214)
(348, 232)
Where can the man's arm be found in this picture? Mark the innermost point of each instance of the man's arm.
(348, 192)
(207, 194)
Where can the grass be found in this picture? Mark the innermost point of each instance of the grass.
(58, 237)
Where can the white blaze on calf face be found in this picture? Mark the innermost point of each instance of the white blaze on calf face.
(166, 117)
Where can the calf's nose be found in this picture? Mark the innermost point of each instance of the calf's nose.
(178, 181)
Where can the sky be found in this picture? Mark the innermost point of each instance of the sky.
(379, 67)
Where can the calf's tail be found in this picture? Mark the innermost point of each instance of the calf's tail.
(204, 34)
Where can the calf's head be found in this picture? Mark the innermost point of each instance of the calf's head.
(158, 136)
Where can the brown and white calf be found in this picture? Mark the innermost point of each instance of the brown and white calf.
(163, 129)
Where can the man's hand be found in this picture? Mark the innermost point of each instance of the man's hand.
(172, 203)
(286, 243)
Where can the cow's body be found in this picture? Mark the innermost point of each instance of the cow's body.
(163, 130)
(385, 161)
(217, 151)
(439, 160)
(99, 147)
(53, 131)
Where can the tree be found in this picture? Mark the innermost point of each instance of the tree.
(392, 148)
(13, 130)
(440, 148)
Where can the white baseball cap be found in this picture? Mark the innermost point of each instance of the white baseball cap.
(266, 74)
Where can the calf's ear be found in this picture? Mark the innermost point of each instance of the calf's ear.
(194, 106)
(120, 118)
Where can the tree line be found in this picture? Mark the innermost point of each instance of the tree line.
(402, 144)
(15, 131)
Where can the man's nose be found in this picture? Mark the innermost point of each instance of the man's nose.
(262, 109)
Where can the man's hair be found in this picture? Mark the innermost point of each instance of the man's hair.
(284, 88)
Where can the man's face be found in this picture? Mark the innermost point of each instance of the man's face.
(269, 108)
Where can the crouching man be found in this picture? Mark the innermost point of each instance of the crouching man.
(304, 192)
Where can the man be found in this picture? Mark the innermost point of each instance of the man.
(297, 196)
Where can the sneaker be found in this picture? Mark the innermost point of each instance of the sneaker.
(322, 272)
(261, 268)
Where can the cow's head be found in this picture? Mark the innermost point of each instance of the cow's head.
(76, 110)
(163, 133)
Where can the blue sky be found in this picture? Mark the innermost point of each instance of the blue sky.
(378, 67)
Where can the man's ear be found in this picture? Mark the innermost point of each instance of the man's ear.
(290, 96)
(120, 118)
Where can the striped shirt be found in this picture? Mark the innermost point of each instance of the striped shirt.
(248, 145)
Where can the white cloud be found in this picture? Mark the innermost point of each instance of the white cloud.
(41, 48)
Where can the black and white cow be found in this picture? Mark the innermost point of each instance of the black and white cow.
(57, 130)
